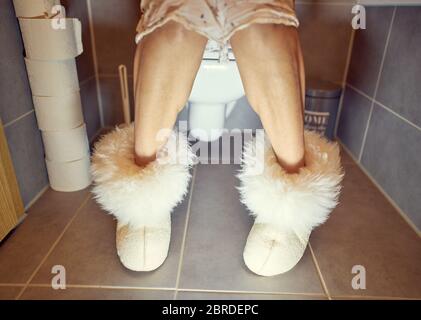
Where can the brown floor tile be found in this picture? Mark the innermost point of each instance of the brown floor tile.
(9, 293)
(366, 230)
(87, 251)
(189, 295)
(217, 232)
(25, 248)
(44, 293)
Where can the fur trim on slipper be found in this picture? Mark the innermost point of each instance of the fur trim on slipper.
(300, 201)
(134, 195)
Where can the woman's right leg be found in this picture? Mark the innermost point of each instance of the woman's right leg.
(141, 199)
(165, 66)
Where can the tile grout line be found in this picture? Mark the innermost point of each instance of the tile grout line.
(186, 225)
(253, 292)
(369, 297)
(327, 3)
(37, 196)
(352, 162)
(18, 118)
(377, 185)
(383, 106)
(82, 286)
(377, 84)
(397, 115)
(104, 287)
(53, 246)
(85, 81)
(319, 272)
(365, 95)
(345, 148)
(5, 285)
(95, 61)
(263, 293)
(344, 78)
(31, 203)
(360, 154)
(111, 287)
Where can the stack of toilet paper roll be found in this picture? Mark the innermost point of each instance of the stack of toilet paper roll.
(51, 46)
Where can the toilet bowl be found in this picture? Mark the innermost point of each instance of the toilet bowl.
(215, 90)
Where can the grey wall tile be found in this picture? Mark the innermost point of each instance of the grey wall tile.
(115, 29)
(353, 120)
(401, 77)
(111, 100)
(27, 153)
(325, 32)
(392, 156)
(85, 64)
(14, 86)
(368, 49)
(90, 107)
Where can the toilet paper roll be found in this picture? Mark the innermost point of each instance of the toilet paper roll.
(68, 145)
(58, 113)
(69, 176)
(52, 78)
(34, 8)
(46, 39)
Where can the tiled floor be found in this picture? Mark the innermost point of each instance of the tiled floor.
(205, 260)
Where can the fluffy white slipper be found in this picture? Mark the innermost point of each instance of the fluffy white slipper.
(141, 199)
(143, 248)
(287, 207)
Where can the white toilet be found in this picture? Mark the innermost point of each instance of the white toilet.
(215, 91)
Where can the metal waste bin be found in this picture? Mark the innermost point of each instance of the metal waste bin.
(321, 106)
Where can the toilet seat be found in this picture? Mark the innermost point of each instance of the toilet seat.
(213, 51)
(215, 90)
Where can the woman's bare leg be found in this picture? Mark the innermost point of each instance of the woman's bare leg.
(165, 66)
(272, 70)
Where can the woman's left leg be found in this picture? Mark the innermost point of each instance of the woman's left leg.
(273, 77)
(286, 200)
